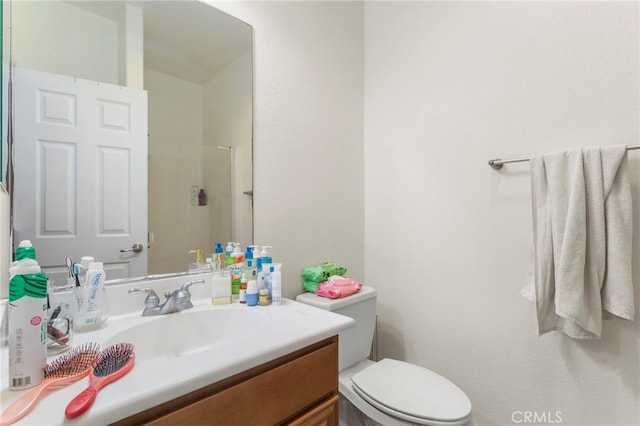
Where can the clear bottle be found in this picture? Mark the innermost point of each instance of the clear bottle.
(221, 288)
(264, 277)
(208, 265)
(59, 329)
(27, 319)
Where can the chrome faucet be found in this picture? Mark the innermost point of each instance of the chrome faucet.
(176, 301)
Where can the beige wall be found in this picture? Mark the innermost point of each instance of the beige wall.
(46, 39)
(175, 164)
(308, 135)
(228, 122)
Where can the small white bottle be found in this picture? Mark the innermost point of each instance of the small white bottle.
(276, 285)
(252, 293)
(242, 296)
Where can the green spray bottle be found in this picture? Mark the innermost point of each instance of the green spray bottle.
(27, 319)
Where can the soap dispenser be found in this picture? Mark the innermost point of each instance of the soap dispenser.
(265, 257)
(199, 263)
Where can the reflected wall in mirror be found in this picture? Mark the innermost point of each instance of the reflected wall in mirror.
(123, 112)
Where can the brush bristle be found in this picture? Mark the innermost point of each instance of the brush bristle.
(76, 361)
(112, 359)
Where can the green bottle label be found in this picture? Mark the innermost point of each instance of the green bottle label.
(32, 285)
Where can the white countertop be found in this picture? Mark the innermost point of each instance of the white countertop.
(286, 328)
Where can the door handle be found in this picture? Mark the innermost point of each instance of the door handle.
(136, 248)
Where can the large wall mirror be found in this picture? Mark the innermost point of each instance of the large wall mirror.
(132, 127)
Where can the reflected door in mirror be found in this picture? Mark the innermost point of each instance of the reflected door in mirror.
(81, 179)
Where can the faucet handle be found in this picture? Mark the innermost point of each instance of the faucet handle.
(152, 299)
(185, 286)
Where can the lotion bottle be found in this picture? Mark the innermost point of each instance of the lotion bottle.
(276, 284)
(265, 257)
(250, 269)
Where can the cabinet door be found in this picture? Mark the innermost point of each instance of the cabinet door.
(325, 414)
(269, 398)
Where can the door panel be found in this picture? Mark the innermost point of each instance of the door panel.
(81, 171)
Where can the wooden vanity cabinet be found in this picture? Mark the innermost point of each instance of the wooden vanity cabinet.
(298, 389)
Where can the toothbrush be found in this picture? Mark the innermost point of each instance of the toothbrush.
(112, 363)
(63, 371)
(78, 288)
(70, 279)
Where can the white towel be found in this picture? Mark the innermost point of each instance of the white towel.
(582, 235)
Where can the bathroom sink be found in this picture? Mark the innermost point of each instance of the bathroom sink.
(188, 332)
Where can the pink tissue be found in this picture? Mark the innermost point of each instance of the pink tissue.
(337, 287)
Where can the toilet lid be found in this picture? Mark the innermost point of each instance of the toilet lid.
(411, 392)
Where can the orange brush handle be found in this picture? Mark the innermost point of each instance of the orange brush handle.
(23, 405)
(85, 399)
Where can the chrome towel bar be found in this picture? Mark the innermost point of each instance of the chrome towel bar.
(496, 163)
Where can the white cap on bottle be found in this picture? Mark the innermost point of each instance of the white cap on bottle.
(95, 266)
(86, 261)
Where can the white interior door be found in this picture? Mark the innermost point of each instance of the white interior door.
(80, 172)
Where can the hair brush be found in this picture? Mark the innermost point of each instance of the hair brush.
(111, 364)
(63, 371)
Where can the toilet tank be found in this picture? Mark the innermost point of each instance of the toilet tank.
(354, 344)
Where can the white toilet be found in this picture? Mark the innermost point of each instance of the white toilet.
(388, 392)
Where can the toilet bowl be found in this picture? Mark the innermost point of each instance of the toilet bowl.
(388, 392)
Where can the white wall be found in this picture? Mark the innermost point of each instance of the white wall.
(308, 136)
(448, 86)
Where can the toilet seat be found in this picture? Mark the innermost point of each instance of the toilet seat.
(412, 393)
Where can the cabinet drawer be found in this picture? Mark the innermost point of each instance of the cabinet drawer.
(269, 398)
(325, 414)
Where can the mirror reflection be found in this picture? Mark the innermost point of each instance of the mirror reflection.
(132, 124)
